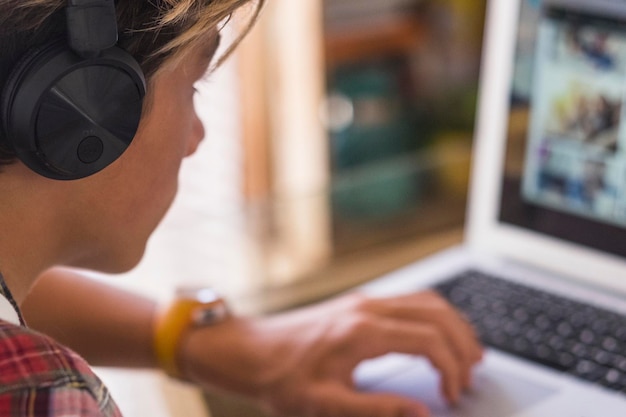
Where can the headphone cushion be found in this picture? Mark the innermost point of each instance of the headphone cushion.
(69, 117)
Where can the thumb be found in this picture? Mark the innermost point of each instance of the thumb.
(335, 400)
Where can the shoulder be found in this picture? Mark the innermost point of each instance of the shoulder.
(46, 378)
(28, 357)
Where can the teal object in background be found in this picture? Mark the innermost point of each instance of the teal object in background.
(377, 192)
(384, 126)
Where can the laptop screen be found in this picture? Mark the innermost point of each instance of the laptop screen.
(565, 166)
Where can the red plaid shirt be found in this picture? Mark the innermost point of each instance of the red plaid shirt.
(39, 377)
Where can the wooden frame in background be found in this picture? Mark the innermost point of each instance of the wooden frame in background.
(285, 146)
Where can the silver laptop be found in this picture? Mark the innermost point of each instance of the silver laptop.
(542, 271)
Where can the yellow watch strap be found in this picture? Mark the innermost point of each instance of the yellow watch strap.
(174, 320)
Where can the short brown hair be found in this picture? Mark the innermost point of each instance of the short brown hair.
(155, 32)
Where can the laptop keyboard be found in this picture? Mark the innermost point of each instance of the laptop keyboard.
(564, 334)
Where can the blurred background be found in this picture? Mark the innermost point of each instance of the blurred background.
(337, 149)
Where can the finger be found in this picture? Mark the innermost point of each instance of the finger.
(428, 307)
(334, 400)
(455, 327)
(378, 336)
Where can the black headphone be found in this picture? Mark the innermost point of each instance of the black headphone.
(71, 107)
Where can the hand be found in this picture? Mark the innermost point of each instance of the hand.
(301, 363)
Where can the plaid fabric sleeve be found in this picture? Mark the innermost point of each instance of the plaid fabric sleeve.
(48, 402)
(41, 378)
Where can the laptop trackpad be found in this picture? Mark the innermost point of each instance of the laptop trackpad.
(495, 392)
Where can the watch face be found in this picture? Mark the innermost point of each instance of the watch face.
(208, 306)
(209, 314)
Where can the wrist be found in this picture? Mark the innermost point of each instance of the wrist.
(236, 356)
(190, 309)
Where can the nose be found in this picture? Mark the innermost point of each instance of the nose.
(197, 135)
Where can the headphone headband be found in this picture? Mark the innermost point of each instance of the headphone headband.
(91, 26)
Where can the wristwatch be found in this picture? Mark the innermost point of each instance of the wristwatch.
(190, 308)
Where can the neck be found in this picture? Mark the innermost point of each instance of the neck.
(30, 235)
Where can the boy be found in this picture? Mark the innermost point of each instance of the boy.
(94, 131)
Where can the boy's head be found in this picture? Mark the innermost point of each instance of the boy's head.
(155, 33)
(103, 221)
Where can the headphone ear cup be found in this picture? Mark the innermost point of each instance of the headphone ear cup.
(68, 118)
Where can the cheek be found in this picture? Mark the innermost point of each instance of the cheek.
(163, 142)
(148, 171)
